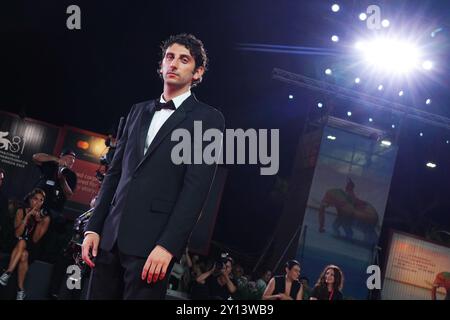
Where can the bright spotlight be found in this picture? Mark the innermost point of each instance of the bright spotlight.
(359, 45)
(393, 126)
(291, 96)
(320, 105)
(331, 137)
(386, 143)
(389, 55)
(431, 165)
(428, 101)
(334, 38)
(427, 65)
(357, 80)
(385, 23)
(400, 93)
(447, 142)
(421, 134)
(335, 7)
(349, 113)
(370, 120)
(380, 87)
(362, 16)
(328, 72)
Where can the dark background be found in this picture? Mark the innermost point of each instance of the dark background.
(89, 78)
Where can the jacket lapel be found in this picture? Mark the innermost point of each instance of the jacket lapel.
(172, 122)
(145, 120)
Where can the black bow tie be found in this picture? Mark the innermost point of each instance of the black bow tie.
(161, 105)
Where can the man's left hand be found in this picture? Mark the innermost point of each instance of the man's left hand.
(155, 267)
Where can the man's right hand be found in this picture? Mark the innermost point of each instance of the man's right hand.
(91, 241)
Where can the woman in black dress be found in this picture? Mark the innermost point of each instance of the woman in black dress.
(285, 287)
(329, 285)
(30, 225)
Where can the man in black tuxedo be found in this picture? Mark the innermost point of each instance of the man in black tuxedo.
(148, 206)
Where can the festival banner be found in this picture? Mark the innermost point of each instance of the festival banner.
(345, 207)
(414, 266)
(20, 138)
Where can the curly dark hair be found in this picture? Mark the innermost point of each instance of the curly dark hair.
(338, 278)
(195, 47)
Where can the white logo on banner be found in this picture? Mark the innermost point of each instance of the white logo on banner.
(11, 149)
(12, 145)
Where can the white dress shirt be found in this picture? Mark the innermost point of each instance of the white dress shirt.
(161, 116)
(158, 120)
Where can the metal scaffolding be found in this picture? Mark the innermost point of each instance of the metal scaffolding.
(361, 98)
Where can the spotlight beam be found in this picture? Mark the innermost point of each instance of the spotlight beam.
(257, 47)
(263, 45)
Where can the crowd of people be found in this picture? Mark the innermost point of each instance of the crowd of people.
(203, 278)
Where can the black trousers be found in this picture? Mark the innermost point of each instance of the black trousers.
(118, 276)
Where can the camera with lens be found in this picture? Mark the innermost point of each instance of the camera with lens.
(219, 265)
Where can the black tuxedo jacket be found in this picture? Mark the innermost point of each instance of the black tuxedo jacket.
(147, 200)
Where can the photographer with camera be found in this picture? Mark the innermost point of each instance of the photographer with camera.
(31, 223)
(218, 281)
(57, 179)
